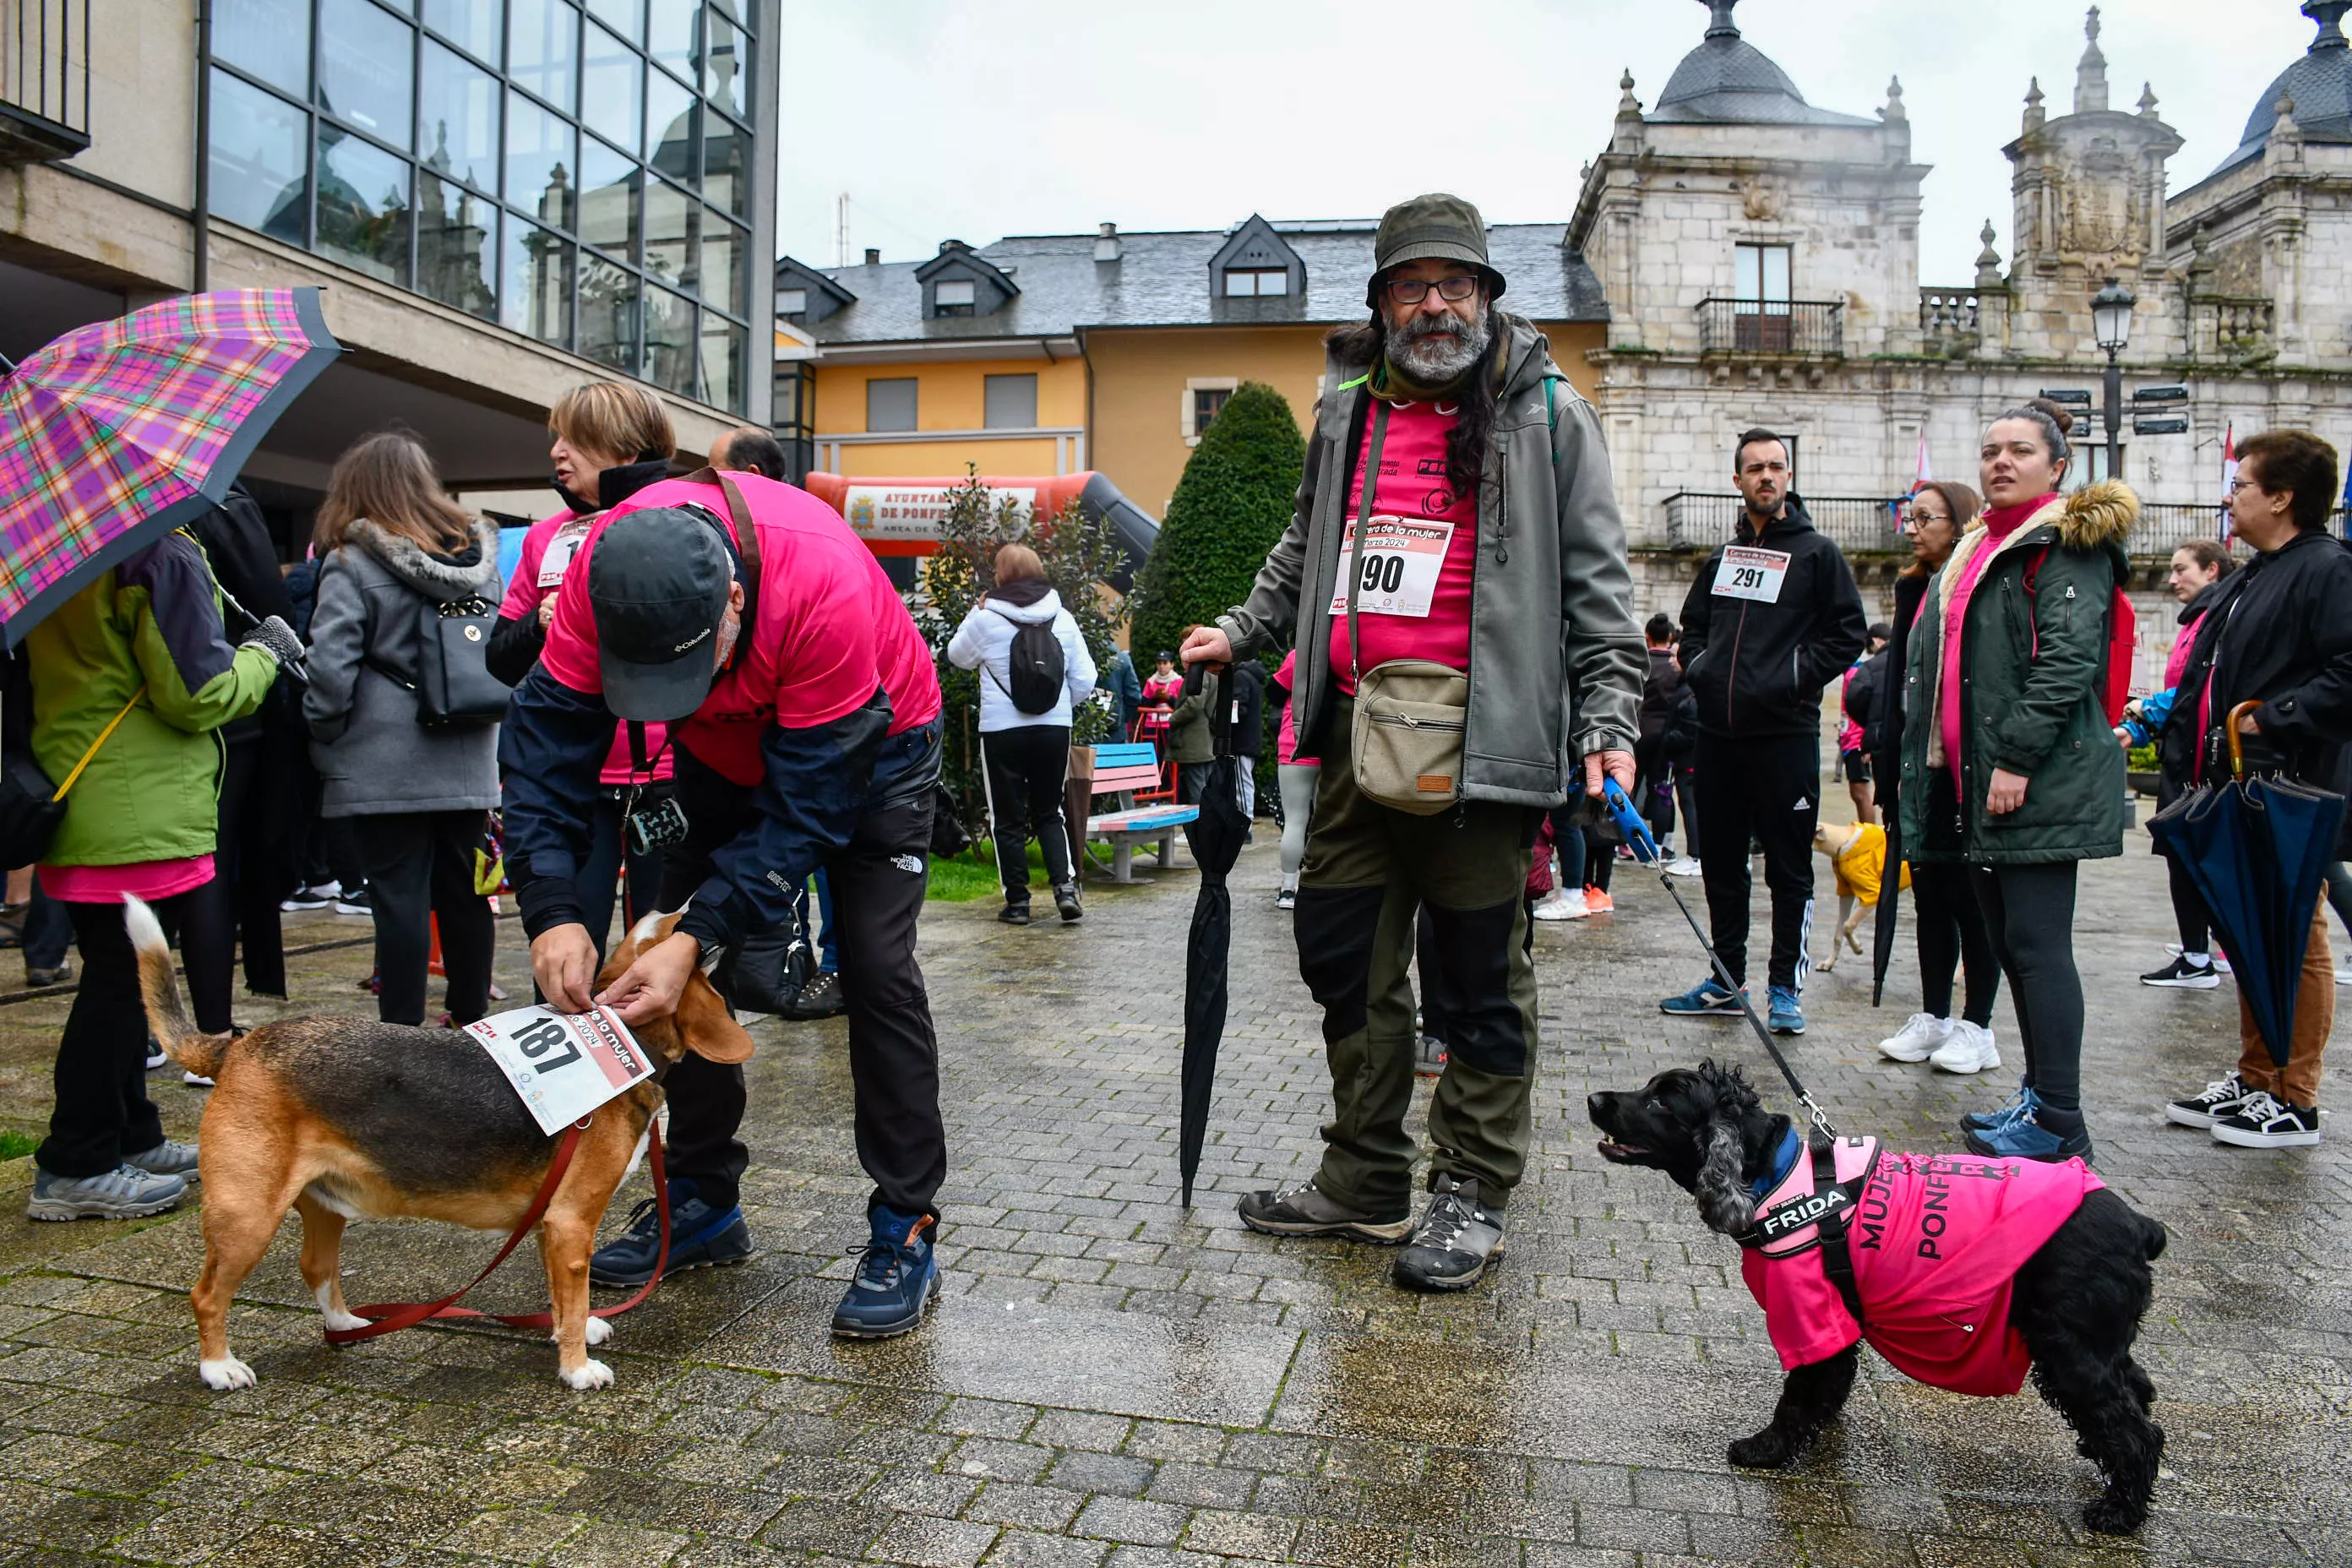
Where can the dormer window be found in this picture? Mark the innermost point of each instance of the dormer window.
(1255, 282)
(1255, 263)
(952, 297)
(792, 302)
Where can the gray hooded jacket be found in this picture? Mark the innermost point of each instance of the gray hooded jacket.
(1556, 660)
(364, 737)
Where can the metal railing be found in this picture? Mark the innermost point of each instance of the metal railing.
(44, 80)
(1864, 525)
(1801, 327)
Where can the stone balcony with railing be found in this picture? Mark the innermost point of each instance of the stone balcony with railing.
(1950, 320)
(2232, 327)
(1772, 329)
(44, 80)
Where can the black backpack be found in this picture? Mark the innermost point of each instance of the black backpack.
(1036, 663)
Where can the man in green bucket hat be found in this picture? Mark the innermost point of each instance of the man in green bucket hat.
(1491, 570)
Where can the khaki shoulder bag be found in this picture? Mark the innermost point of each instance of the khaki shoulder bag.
(1411, 713)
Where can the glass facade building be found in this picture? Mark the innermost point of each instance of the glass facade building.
(580, 173)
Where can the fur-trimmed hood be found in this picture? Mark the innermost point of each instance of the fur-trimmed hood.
(2102, 514)
(440, 578)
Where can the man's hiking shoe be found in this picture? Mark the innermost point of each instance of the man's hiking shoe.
(1708, 998)
(1786, 1015)
(123, 1193)
(896, 1278)
(820, 998)
(2220, 1098)
(165, 1159)
(2026, 1138)
(1457, 1238)
(699, 1237)
(1308, 1210)
(2009, 1110)
(2263, 1120)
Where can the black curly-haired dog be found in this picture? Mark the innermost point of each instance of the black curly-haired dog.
(2077, 1301)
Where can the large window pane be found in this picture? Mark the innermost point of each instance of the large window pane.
(471, 25)
(723, 346)
(672, 353)
(457, 246)
(608, 314)
(626, 18)
(535, 295)
(362, 205)
(669, 127)
(260, 161)
(723, 254)
(724, 182)
(543, 49)
(670, 39)
(727, 66)
(542, 162)
(459, 119)
(366, 58)
(669, 239)
(612, 91)
(269, 38)
(611, 187)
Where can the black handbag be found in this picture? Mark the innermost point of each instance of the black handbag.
(32, 809)
(455, 689)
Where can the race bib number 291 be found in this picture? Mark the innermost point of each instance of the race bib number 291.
(1747, 572)
(564, 1064)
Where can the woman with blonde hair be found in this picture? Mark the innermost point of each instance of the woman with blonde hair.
(392, 549)
(613, 438)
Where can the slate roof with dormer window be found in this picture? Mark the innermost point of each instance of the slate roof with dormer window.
(1166, 280)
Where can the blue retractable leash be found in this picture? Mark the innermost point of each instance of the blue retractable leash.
(1645, 850)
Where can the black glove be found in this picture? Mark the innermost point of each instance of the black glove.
(274, 634)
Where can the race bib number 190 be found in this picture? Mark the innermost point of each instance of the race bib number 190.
(564, 1064)
(1398, 573)
(1747, 572)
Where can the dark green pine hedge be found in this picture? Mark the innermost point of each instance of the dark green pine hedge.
(1230, 506)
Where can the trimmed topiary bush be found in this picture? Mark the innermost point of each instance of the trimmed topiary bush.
(1229, 509)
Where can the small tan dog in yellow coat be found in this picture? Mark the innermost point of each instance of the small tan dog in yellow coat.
(1857, 854)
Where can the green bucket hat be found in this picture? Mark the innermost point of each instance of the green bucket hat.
(1437, 226)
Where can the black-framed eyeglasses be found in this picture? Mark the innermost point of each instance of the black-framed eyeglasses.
(1413, 290)
(1917, 519)
(2237, 484)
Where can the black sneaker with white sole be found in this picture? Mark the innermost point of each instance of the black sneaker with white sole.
(2220, 1098)
(2263, 1121)
(1457, 1240)
(2182, 974)
(1308, 1210)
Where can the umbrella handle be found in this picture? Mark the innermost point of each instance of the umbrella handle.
(2237, 748)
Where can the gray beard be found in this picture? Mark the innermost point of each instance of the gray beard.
(1434, 349)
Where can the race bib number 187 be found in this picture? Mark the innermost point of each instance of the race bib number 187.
(564, 1064)
(1747, 572)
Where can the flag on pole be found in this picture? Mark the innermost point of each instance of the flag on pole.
(2348, 501)
(2228, 476)
(1925, 476)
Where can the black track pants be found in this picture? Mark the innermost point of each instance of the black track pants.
(2029, 913)
(420, 867)
(1767, 787)
(102, 1112)
(1026, 766)
(878, 880)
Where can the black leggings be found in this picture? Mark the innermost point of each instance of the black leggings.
(2029, 912)
(420, 866)
(1952, 937)
(1600, 861)
(1026, 766)
(102, 1112)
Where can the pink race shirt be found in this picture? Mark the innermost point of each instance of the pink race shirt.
(547, 553)
(831, 629)
(1429, 537)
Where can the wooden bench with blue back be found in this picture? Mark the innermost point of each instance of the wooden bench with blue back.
(1131, 769)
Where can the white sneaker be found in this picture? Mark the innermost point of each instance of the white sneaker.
(1919, 1039)
(1683, 866)
(1971, 1049)
(1557, 905)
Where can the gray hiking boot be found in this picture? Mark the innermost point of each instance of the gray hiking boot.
(119, 1194)
(1308, 1210)
(1457, 1238)
(165, 1159)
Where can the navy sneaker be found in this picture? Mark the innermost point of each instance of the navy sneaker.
(1707, 996)
(1787, 1016)
(2026, 1138)
(897, 1277)
(2015, 1106)
(699, 1237)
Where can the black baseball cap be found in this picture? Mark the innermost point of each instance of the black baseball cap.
(658, 582)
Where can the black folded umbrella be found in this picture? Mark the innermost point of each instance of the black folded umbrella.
(1216, 841)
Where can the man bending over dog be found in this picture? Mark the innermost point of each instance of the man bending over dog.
(805, 717)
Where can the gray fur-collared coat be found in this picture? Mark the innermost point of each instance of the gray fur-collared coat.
(364, 737)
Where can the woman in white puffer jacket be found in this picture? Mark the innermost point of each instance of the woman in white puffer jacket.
(1027, 754)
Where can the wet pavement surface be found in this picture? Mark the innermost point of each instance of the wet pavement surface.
(1112, 1380)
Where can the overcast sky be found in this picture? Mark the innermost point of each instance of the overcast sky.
(976, 118)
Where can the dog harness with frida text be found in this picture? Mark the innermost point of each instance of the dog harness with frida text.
(1927, 1246)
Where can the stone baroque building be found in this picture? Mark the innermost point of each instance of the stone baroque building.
(1759, 256)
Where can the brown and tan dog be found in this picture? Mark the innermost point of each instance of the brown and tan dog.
(343, 1119)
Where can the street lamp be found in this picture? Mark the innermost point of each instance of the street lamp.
(2111, 313)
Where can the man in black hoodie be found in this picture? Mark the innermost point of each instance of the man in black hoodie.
(1773, 617)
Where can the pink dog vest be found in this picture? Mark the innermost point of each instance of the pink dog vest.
(1934, 1240)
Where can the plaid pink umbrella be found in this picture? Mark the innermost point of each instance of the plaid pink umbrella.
(117, 433)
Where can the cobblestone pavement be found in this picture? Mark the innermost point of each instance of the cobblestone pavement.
(1114, 1381)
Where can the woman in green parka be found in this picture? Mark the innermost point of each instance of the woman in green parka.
(2010, 764)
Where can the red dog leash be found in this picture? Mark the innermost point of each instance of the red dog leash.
(390, 1317)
